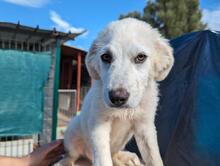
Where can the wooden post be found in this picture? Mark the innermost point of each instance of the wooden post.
(78, 82)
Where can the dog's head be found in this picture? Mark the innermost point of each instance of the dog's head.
(126, 55)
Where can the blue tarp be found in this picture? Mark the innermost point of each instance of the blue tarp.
(188, 120)
(23, 76)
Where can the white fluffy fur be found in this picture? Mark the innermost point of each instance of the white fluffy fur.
(101, 131)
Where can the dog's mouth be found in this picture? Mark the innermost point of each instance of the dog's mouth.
(125, 106)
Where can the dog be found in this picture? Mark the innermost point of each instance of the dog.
(125, 62)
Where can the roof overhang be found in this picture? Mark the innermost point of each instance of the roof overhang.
(72, 52)
(18, 32)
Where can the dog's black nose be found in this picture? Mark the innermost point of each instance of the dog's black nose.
(118, 97)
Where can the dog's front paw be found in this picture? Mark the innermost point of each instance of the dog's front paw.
(125, 158)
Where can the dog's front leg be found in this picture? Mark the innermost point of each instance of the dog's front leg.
(100, 140)
(146, 137)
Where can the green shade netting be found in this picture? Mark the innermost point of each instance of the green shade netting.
(23, 76)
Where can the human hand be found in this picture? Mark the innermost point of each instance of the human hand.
(47, 154)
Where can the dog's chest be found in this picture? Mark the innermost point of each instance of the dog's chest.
(121, 133)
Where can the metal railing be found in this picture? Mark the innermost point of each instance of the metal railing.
(24, 45)
(67, 102)
(22, 145)
(17, 146)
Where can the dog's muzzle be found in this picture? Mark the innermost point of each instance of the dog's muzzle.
(118, 97)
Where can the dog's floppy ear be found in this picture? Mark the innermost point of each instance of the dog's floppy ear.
(163, 61)
(91, 62)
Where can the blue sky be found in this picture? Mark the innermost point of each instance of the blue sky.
(91, 15)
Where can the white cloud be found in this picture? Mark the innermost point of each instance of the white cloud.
(212, 18)
(28, 3)
(63, 25)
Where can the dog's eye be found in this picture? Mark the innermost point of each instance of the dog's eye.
(107, 58)
(140, 58)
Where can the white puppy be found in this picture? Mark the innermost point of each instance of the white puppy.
(125, 61)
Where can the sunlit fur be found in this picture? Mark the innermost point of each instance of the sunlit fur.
(100, 131)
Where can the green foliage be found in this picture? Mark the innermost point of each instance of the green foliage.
(133, 14)
(171, 17)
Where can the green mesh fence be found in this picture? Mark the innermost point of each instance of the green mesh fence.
(23, 76)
